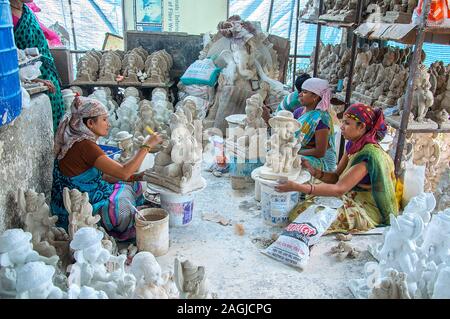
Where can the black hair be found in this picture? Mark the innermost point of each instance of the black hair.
(300, 79)
(85, 119)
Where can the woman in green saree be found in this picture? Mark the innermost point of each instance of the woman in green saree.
(364, 178)
(28, 34)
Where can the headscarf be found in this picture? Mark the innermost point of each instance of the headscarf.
(321, 88)
(374, 120)
(72, 129)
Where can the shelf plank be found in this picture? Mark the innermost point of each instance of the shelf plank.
(120, 84)
(395, 123)
(402, 33)
(334, 24)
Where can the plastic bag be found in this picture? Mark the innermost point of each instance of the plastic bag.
(414, 181)
(292, 247)
(30, 72)
(438, 12)
(201, 72)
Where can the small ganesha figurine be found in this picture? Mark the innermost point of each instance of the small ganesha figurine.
(190, 280)
(399, 249)
(90, 267)
(151, 283)
(34, 281)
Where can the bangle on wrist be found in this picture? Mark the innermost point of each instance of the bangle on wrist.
(310, 189)
(148, 147)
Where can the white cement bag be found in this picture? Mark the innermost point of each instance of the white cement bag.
(414, 182)
(292, 247)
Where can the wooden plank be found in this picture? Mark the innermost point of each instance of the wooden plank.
(121, 84)
(395, 123)
(402, 33)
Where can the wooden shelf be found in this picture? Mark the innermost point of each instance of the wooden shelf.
(395, 123)
(402, 33)
(334, 24)
(120, 84)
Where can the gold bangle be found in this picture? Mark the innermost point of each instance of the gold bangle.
(148, 147)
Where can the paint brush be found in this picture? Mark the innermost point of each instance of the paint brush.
(151, 132)
(136, 210)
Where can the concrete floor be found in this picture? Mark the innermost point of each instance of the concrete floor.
(236, 268)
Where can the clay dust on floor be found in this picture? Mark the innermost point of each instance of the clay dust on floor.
(235, 268)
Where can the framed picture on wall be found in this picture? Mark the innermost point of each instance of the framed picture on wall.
(148, 12)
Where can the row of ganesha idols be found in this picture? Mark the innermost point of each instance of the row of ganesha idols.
(380, 78)
(177, 163)
(388, 11)
(43, 261)
(414, 261)
(134, 66)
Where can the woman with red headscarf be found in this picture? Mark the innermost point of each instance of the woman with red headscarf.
(364, 178)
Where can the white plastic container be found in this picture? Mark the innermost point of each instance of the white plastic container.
(276, 206)
(179, 206)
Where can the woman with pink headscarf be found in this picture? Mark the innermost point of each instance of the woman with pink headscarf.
(318, 145)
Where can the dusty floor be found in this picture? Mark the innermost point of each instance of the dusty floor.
(236, 268)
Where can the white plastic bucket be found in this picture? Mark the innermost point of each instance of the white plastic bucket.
(152, 232)
(276, 206)
(179, 206)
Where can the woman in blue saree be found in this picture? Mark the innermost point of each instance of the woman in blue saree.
(318, 145)
(113, 188)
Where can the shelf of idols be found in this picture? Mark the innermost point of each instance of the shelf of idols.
(122, 84)
(402, 33)
(427, 126)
